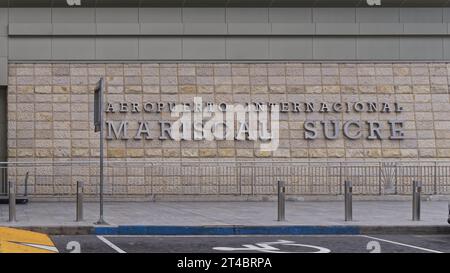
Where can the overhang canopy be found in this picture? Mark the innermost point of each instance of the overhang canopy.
(224, 3)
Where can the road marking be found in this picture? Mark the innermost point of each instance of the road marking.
(111, 245)
(44, 247)
(402, 244)
(269, 248)
(14, 240)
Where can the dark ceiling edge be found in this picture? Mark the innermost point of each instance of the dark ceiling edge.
(249, 5)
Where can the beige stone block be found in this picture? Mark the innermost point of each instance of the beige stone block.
(116, 152)
(331, 89)
(207, 152)
(189, 152)
(44, 153)
(153, 152)
(24, 152)
(427, 153)
(338, 153)
(205, 89)
(315, 89)
(391, 153)
(171, 152)
(318, 153)
(299, 153)
(286, 153)
(443, 153)
(29, 89)
(409, 153)
(135, 152)
(386, 89)
(354, 153)
(401, 71)
(188, 89)
(12, 152)
(244, 152)
(226, 152)
(46, 89)
(259, 153)
(79, 152)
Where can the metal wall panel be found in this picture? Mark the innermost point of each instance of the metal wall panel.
(421, 48)
(248, 15)
(204, 48)
(205, 28)
(248, 29)
(73, 48)
(65, 15)
(3, 22)
(160, 15)
(3, 71)
(30, 15)
(386, 48)
(204, 15)
(247, 48)
(421, 15)
(224, 33)
(286, 48)
(117, 29)
(337, 29)
(74, 29)
(290, 15)
(334, 48)
(381, 28)
(384, 15)
(160, 48)
(334, 15)
(24, 48)
(3, 46)
(117, 15)
(425, 28)
(114, 48)
(446, 45)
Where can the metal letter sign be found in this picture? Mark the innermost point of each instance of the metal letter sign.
(98, 104)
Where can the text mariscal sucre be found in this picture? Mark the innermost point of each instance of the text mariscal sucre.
(200, 120)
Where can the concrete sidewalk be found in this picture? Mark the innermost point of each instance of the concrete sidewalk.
(369, 214)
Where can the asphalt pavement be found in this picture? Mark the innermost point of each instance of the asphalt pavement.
(253, 244)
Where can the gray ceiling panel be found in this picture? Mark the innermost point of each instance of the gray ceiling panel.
(224, 3)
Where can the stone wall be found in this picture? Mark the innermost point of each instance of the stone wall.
(50, 108)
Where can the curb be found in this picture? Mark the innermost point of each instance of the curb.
(225, 230)
(59, 230)
(236, 230)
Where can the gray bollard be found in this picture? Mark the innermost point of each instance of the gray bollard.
(448, 219)
(281, 201)
(417, 189)
(80, 193)
(348, 201)
(12, 201)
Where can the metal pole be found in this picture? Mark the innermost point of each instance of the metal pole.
(281, 201)
(80, 193)
(348, 201)
(101, 220)
(417, 188)
(12, 201)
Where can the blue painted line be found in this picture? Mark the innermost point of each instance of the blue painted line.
(226, 230)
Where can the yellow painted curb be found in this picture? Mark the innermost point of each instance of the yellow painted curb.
(14, 240)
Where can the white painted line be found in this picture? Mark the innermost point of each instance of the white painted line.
(111, 245)
(402, 244)
(44, 247)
